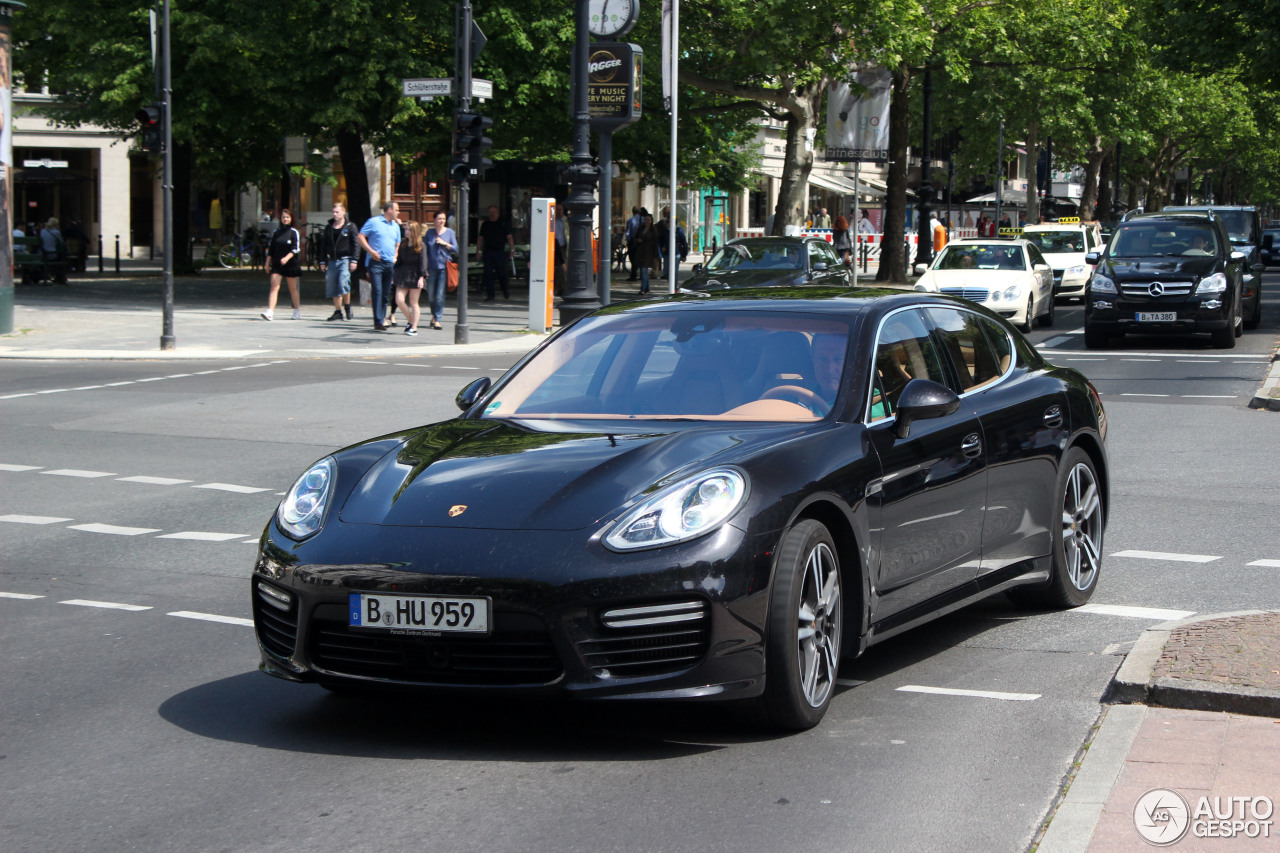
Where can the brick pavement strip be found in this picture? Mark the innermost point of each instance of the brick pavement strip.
(1240, 650)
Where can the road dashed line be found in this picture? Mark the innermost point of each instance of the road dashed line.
(136, 381)
(1160, 615)
(106, 605)
(113, 529)
(202, 536)
(1162, 555)
(232, 487)
(33, 519)
(75, 472)
(212, 617)
(980, 694)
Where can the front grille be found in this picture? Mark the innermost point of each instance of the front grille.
(275, 617)
(518, 651)
(653, 640)
(1171, 288)
(1057, 276)
(973, 294)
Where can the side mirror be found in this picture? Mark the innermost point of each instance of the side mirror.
(1042, 267)
(697, 268)
(923, 399)
(467, 396)
(1239, 257)
(1092, 258)
(819, 266)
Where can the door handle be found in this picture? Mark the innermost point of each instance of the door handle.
(971, 446)
(1053, 416)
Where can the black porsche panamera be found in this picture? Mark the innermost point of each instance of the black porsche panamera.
(703, 498)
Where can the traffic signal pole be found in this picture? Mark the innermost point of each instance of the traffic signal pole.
(167, 339)
(461, 331)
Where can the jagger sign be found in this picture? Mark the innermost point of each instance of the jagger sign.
(613, 85)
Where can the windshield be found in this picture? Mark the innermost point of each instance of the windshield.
(699, 365)
(758, 256)
(985, 256)
(1239, 224)
(1163, 239)
(1056, 241)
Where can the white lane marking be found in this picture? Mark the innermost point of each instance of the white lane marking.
(1162, 555)
(212, 617)
(154, 481)
(362, 361)
(1134, 612)
(231, 487)
(14, 396)
(401, 364)
(54, 391)
(22, 596)
(250, 542)
(1084, 359)
(201, 536)
(7, 467)
(76, 472)
(151, 379)
(1266, 564)
(981, 694)
(86, 387)
(238, 367)
(1139, 359)
(113, 529)
(115, 384)
(108, 605)
(1208, 396)
(1144, 395)
(1053, 342)
(205, 372)
(1195, 361)
(33, 519)
(1079, 331)
(177, 375)
(451, 367)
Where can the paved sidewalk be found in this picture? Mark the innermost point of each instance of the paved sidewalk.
(1198, 760)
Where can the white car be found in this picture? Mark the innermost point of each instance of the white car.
(1011, 277)
(1065, 245)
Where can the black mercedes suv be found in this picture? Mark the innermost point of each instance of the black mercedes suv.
(1166, 273)
(1244, 225)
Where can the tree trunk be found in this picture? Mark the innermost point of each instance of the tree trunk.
(893, 263)
(1092, 168)
(351, 152)
(798, 159)
(182, 209)
(1033, 165)
(1106, 192)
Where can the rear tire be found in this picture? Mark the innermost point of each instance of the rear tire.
(229, 256)
(1046, 319)
(1077, 538)
(805, 629)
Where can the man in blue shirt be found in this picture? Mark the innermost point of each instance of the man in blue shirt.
(633, 224)
(380, 239)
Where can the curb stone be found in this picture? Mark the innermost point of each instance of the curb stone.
(1267, 397)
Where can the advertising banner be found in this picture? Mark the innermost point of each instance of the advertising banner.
(858, 118)
(613, 84)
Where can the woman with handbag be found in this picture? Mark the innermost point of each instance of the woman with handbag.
(409, 275)
(840, 239)
(441, 246)
(644, 249)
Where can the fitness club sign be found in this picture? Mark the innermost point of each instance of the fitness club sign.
(613, 84)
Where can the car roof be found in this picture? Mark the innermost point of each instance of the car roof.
(1059, 226)
(827, 300)
(1189, 207)
(1175, 216)
(747, 241)
(988, 241)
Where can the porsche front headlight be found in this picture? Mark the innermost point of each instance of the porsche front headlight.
(302, 512)
(684, 510)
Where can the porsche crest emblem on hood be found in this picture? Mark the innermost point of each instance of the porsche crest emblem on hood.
(456, 510)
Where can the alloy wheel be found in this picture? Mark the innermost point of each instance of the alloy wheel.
(819, 625)
(1082, 527)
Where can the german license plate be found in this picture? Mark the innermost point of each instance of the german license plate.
(1157, 316)
(400, 614)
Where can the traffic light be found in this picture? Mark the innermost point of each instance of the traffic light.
(150, 121)
(470, 144)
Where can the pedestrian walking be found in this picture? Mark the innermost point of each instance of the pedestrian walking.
(54, 249)
(663, 229)
(380, 238)
(283, 263)
(633, 225)
(339, 258)
(495, 248)
(441, 246)
(410, 275)
(840, 239)
(645, 242)
(822, 220)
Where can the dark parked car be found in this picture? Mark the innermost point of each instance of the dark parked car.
(770, 262)
(1166, 273)
(700, 498)
(1270, 248)
(1244, 226)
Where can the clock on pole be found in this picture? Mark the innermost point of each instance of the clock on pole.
(612, 18)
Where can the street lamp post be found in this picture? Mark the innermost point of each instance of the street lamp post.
(581, 296)
(6, 163)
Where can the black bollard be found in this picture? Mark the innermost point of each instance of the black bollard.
(117, 254)
(99, 253)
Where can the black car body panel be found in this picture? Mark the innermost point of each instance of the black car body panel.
(515, 512)
(1244, 226)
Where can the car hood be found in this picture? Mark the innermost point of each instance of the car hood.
(729, 279)
(508, 476)
(988, 279)
(1142, 269)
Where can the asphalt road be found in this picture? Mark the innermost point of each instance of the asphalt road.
(150, 729)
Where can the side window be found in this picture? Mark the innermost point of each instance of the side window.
(904, 351)
(829, 255)
(815, 254)
(1036, 257)
(980, 349)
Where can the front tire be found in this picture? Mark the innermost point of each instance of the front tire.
(1029, 317)
(1077, 537)
(1046, 319)
(802, 650)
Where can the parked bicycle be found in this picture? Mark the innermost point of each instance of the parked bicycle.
(311, 253)
(247, 251)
